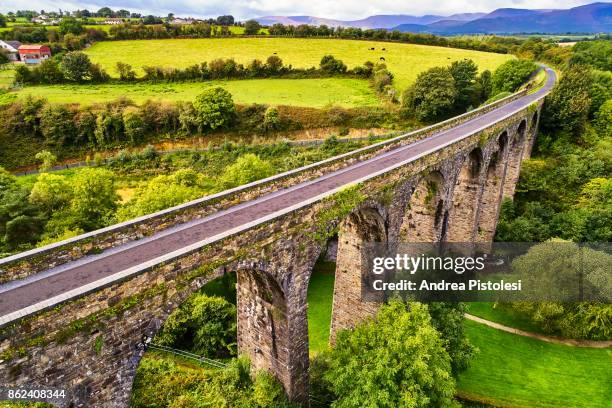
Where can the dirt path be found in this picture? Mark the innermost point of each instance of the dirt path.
(543, 337)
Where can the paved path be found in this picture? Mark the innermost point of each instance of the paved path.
(538, 336)
(46, 289)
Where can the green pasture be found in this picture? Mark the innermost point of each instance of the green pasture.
(515, 371)
(347, 92)
(320, 297)
(405, 61)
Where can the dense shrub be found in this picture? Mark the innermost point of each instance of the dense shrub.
(160, 383)
(246, 169)
(203, 324)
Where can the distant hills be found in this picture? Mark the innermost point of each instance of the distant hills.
(591, 18)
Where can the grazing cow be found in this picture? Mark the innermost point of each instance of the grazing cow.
(384, 49)
(274, 53)
(382, 58)
(372, 49)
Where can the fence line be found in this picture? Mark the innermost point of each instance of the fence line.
(186, 354)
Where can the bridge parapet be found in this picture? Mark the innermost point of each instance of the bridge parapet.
(34, 261)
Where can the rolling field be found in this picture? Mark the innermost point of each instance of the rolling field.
(405, 61)
(318, 93)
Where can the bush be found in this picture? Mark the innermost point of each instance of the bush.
(331, 65)
(204, 324)
(47, 160)
(214, 108)
(510, 75)
(246, 169)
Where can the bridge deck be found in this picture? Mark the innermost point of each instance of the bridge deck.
(19, 297)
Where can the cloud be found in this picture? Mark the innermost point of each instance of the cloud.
(244, 9)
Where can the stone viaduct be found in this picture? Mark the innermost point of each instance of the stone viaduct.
(90, 342)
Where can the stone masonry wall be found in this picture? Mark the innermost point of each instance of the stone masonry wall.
(92, 345)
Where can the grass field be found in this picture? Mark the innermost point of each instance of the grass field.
(320, 296)
(345, 92)
(503, 314)
(405, 61)
(517, 371)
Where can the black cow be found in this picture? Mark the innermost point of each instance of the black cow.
(382, 58)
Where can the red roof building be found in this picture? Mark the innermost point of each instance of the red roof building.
(34, 54)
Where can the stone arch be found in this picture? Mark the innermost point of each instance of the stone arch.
(424, 216)
(272, 314)
(462, 221)
(360, 227)
(515, 157)
(490, 200)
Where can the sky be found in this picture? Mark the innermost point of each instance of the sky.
(335, 9)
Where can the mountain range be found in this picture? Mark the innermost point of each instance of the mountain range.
(590, 18)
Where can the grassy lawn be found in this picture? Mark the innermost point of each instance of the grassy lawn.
(517, 371)
(347, 92)
(405, 61)
(502, 314)
(320, 297)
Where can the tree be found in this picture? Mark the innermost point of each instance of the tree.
(567, 106)
(51, 192)
(225, 20)
(252, 27)
(396, 359)
(47, 160)
(555, 271)
(70, 25)
(603, 118)
(3, 57)
(49, 72)
(204, 324)
(246, 169)
(105, 12)
(95, 198)
(331, 65)
(76, 66)
(214, 108)
(125, 71)
(2, 21)
(448, 320)
(431, 96)
(510, 75)
(464, 73)
(57, 125)
(274, 64)
(486, 85)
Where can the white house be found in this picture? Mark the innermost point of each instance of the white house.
(113, 21)
(12, 49)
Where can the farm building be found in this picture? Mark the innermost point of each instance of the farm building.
(12, 49)
(113, 21)
(34, 54)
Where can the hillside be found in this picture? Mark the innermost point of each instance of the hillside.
(590, 18)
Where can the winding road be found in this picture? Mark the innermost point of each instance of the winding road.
(43, 290)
